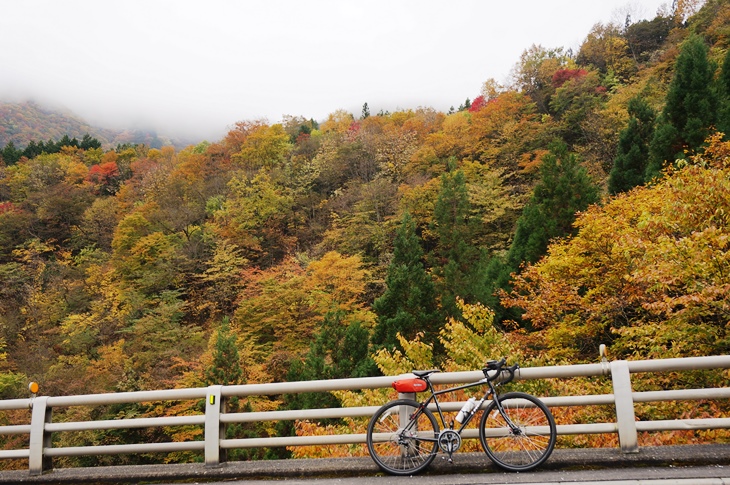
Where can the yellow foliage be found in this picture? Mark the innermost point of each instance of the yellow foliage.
(472, 342)
(76, 172)
(453, 138)
(337, 281)
(265, 146)
(337, 122)
(646, 271)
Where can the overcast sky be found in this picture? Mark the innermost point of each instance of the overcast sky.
(196, 67)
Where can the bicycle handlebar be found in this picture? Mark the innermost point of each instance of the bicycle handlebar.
(499, 367)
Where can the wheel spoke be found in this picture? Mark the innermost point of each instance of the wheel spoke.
(402, 439)
(525, 447)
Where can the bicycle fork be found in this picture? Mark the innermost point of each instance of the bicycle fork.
(512, 426)
(493, 392)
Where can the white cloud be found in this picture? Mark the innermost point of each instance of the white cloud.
(200, 66)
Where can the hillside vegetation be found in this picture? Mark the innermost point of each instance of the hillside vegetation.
(24, 122)
(586, 203)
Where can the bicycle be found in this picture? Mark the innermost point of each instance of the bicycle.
(517, 430)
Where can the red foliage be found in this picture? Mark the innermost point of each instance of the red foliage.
(142, 167)
(8, 207)
(478, 103)
(562, 76)
(103, 173)
(354, 127)
(302, 138)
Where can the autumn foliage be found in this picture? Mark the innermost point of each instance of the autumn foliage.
(355, 246)
(645, 272)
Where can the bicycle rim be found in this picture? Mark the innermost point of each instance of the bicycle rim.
(527, 447)
(400, 442)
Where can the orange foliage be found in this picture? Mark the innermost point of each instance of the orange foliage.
(308, 428)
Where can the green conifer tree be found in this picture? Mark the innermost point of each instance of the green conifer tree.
(408, 305)
(690, 109)
(564, 189)
(33, 149)
(87, 142)
(226, 367)
(456, 261)
(10, 155)
(630, 164)
(337, 351)
(226, 370)
(723, 90)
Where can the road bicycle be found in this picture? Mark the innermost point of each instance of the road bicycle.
(516, 430)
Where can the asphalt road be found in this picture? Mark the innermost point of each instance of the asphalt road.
(650, 476)
(679, 465)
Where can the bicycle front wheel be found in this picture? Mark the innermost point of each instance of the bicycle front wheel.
(523, 443)
(402, 439)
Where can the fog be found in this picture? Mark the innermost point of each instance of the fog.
(193, 68)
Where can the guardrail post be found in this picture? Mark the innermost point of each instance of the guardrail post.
(625, 418)
(404, 416)
(214, 429)
(39, 439)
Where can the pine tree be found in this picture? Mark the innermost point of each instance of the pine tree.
(50, 146)
(10, 155)
(33, 149)
(338, 351)
(65, 141)
(87, 142)
(456, 261)
(564, 189)
(630, 164)
(226, 368)
(690, 109)
(408, 305)
(498, 275)
(466, 105)
(723, 89)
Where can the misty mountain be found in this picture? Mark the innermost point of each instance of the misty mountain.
(28, 120)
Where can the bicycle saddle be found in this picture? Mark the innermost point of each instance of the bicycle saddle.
(424, 373)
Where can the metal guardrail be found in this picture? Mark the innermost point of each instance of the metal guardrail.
(40, 451)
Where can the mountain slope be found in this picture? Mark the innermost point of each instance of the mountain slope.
(28, 120)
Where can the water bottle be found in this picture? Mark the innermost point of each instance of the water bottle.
(466, 409)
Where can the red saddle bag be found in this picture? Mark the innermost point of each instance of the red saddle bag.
(410, 385)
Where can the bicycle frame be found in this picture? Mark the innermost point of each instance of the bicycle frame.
(491, 391)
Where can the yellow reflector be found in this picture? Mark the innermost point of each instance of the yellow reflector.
(212, 399)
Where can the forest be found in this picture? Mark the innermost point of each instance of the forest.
(586, 202)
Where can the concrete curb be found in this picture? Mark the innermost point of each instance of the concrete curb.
(464, 463)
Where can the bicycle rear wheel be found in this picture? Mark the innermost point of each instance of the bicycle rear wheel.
(529, 444)
(402, 439)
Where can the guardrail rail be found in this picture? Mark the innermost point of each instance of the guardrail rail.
(40, 451)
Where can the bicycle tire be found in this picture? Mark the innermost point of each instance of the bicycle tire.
(531, 445)
(402, 450)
